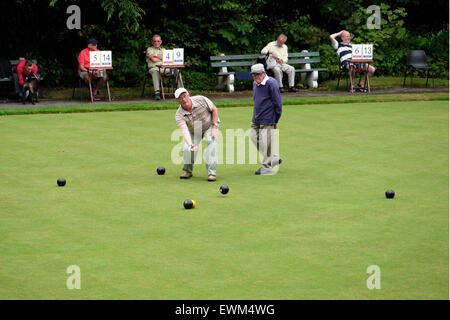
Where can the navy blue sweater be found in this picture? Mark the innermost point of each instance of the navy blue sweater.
(267, 102)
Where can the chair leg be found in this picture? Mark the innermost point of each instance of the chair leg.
(404, 78)
(90, 90)
(107, 87)
(411, 82)
(179, 80)
(432, 76)
(351, 75)
(367, 81)
(426, 83)
(339, 80)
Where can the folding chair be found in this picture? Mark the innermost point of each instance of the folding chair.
(417, 59)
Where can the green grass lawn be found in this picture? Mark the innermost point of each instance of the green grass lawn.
(308, 232)
(222, 103)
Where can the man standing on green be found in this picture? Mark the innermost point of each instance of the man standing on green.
(198, 118)
(266, 113)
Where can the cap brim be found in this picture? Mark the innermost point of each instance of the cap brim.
(180, 93)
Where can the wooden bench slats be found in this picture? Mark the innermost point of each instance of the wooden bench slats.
(311, 70)
(231, 64)
(303, 54)
(254, 56)
(249, 63)
(303, 61)
(298, 70)
(16, 62)
(235, 57)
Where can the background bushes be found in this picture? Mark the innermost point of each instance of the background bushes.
(37, 29)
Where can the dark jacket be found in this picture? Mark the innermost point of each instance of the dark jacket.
(267, 102)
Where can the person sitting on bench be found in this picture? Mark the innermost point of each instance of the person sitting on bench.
(279, 51)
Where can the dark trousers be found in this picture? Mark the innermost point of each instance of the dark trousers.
(17, 87)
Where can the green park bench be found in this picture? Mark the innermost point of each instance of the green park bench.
(301, 61)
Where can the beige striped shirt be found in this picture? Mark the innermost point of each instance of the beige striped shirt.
(200, 117)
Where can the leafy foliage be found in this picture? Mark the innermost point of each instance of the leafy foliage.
(210, 27)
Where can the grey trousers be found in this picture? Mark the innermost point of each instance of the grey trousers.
(262, 137)
(288, 69)
(210, 154)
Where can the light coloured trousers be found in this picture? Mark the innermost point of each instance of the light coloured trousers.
(210, 154)
(278, 73)
(262, 137)
(154, 72)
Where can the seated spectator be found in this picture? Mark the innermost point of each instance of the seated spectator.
(154, 59)
(85, 73)
(344, 51)
(23, 69)
(279, 51)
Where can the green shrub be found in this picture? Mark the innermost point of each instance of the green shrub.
(128, 70)
(196, 80)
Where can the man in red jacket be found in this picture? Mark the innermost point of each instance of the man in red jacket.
(83, 68)
(23, 69)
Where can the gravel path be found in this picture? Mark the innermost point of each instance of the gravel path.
(222, 96)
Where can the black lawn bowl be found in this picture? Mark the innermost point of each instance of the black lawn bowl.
(161, 170)
(224, 189)
(188, 204)
(390, 194)
(61, 182)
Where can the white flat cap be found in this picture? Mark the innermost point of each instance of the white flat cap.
(257, 68)
(179, 91)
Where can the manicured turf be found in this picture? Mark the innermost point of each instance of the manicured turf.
(309, 232)
(132, 106)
